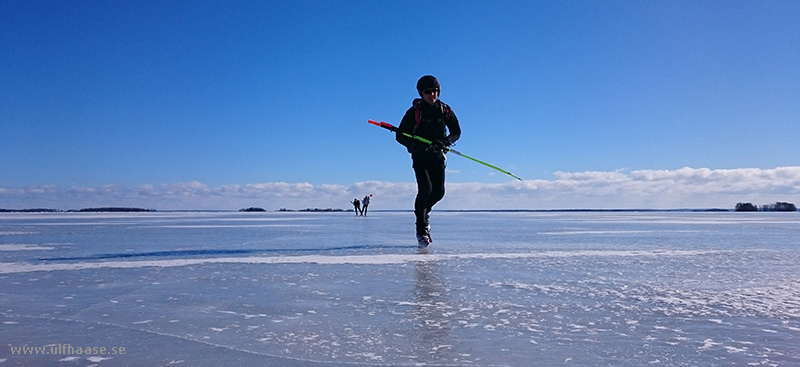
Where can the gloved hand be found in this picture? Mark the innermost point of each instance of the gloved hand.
(439, 145)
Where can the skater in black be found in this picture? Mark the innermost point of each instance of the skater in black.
(433, 120)
(356, 205)
(365, 204)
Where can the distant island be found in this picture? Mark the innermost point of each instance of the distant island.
(253, 209)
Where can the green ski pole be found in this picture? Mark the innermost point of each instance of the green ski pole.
(392, 128)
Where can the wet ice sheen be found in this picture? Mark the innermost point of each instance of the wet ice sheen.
(599, 289)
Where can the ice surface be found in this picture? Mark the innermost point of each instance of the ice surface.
(322, 289)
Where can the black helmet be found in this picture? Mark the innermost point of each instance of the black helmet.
(427, 82)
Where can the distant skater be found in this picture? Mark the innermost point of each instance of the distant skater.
(365, 204)
(356, 205)
(432, 119)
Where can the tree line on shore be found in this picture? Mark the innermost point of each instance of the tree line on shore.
(84, 210)
(777, 207)
(133, 210)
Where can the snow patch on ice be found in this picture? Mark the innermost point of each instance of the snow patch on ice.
(97, 359)
(23, 247)
(386, 259)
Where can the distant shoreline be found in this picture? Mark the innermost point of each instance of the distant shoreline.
(140, 210)
(331, 210)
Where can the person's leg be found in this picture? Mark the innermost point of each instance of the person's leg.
(436, 179)
(424, 189)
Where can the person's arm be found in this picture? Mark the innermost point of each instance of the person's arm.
(453, 129)
(406, 126)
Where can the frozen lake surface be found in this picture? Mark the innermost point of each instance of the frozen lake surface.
(333, 289)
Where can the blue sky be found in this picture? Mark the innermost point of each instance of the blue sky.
(227, 104)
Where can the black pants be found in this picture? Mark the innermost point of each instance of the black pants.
(429, 170)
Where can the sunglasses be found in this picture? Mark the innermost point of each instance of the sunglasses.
(431, 91)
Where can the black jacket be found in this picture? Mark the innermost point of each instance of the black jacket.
(436, 122)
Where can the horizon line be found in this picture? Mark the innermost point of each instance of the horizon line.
(340, 210)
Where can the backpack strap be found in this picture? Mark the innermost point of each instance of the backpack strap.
(417, 114)
(446, 111)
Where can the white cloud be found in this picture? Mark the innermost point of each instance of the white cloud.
(680, 188)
